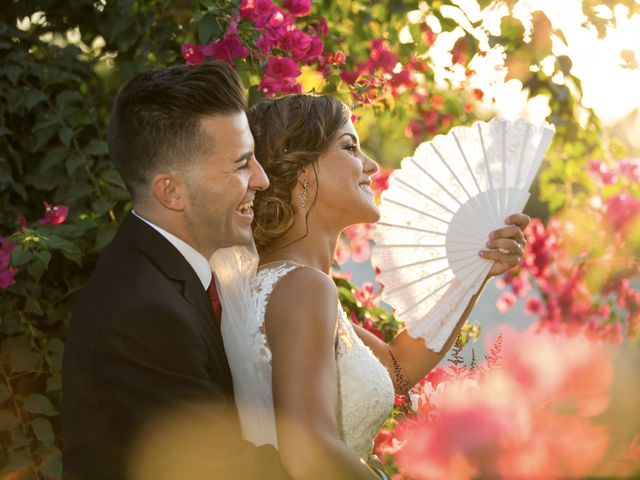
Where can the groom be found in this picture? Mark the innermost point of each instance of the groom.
(147, 391)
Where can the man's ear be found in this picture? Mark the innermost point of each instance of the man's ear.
(167, 188)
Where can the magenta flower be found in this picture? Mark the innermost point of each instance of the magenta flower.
(366, 296)
(620, 209)
(533, 306)
(54, 214)
(192, 53)
(229, 48)
(506, 302)
(280, 77)
(299, 8)
(6, 274)
(295, 41)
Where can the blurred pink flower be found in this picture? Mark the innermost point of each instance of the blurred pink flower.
(360, 250)
(366, 296)
(506, 301)
(342, 254)
(601, 172)
(533, 306)
(295, 41)
(54, 214)
(299, 8)
(620, 209)
(6, 274)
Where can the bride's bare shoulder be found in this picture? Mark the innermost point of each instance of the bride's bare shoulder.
(303, 294)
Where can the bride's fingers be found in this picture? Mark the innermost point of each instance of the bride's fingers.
(506, 260)
(511, 232)
(520, 220)
(506, 245)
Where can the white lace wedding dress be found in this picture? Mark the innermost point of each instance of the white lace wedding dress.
(364, 386)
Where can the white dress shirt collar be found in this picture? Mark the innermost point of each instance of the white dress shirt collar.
(199, 264)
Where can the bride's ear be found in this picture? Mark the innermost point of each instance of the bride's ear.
(168, 189)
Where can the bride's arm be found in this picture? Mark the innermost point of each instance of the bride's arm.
(301, 322)
(411, 354)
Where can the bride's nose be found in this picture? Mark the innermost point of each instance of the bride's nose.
(369, 166)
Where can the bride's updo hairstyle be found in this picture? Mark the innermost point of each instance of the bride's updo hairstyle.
(290, 133)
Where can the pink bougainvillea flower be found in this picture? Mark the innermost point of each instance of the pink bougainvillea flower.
(360, 251)
(191, 53)
(533, 306)
(380, 181)
(339, 58)
(366, 296)
(601, 172)
(630, 168)
(295, 41)
(54, 214)
(254, 9)
(620, 209)
(342, 254)
(299, 8)
(349, 77)
(6, 274)
(381, 57)
(506, 302)
(280, 77)
(228, 48)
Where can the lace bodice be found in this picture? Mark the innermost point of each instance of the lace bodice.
(364, 386)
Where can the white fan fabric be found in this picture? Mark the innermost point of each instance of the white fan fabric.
(437, 214)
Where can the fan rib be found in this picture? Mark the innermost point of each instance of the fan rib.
(424, 195)
(444, 162)
(466, 162)
(419, 262)
(417, 280)
(412, 245)
(407, 227)
(430, 294)
(433, 179)
(404, 205)
(486, 158)
(522, 151)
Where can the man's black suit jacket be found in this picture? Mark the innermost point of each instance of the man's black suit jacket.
(142, 344)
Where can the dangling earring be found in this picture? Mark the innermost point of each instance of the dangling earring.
(304, 197)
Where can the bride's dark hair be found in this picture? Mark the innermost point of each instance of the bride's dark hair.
(290, 133)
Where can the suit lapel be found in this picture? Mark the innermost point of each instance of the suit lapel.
(171, 262)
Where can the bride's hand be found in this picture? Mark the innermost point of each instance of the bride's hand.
(506, 244)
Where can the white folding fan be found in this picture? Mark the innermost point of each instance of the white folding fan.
(437, 214)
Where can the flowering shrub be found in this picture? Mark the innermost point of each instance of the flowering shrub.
(535, 414)
(582, 262)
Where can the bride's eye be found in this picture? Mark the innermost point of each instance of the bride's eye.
(353, 148)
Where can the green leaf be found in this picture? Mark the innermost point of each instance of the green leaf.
(20, 354)
(43, 430)
(68, 96)
(54, 384)
(209, 29)
(79, 190)
(20, 255)
(34, 97)
(105, 235)
(52, 467)
(38, 404)
(4, 393)
(12, 72)
(52, 158)
(18, 439)
(44, 257)
(73, 163)
(8, 420)
(97, 147)
(112, 176)
(4, 131)
(65, 134)
(32, 305)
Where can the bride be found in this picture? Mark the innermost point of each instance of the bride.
(306, 379)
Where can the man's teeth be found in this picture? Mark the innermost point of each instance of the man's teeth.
(245, 206)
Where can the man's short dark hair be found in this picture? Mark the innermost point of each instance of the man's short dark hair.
(156, 118)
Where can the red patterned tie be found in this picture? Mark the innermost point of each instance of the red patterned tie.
(215, 300)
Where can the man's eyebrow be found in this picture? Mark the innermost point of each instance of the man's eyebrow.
(244, 157)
